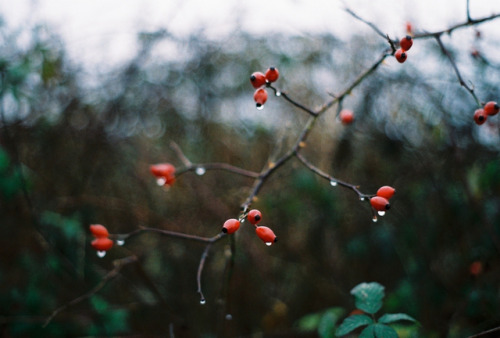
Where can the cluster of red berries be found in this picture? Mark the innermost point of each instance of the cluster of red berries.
(164, 173)
(480, 115)
(101, 241)
(405, 44)
(254, 216)
(380, 202)
(259, 80)
(346, 116)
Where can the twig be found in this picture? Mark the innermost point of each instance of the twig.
(485, 332)
(469, 22)
(168, 233)
(457, 72)
(175, 147)
(118, 265)
(218, 166)
(373, 26)
(330, 178)
(200, 270)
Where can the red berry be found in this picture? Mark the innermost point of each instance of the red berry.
(99, 230)
(476, 268)
(380, 203)
(162, 169)
(386, 191)
(406, 43)
(266, 235)
(257, 79)
(260, 97)
(254, 216)
(230, 226)
(480, 116)
(491, 108)
(409, 27)
(346, 116)
(102, 244)
(272, 74)
(164, 172)
(400, 55)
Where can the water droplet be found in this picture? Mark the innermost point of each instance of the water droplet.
(229, 316)
(381, 213)
(260, 107)
(120, 242)
(361, 198)
(161, 181)
(202, 301)
(242, 220)
(374, 219)
(200, 171)
(333, 183)
(269, 243)
(278, 93)
(101, 254)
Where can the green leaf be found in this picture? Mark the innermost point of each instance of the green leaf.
(368, 297)
(352, 323)
(394, 317)
(326, 326)
(309, 322)
(378, 331)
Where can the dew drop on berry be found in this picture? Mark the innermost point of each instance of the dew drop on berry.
(333, 183)
(278, 93)
(161, 181)
(229, 316)
(381, 213)
(200, 171)
(203, 301)
(260, 107)
(120, 242)
(101, 254)
(269, 243)
(374, 219)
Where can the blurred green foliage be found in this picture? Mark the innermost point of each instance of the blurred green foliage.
(73, 153)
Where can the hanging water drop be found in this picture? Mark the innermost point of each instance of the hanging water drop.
(120, 242)
(269, 243)
(278, 93)
(101, 254)
(229, 316)
(260, 107)
(202, 301)
(161, 181)
(361, 198)
(374, 219)
(200, 171)
(381, 213)
(333, 183)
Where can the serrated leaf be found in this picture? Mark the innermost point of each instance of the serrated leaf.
(394, 317)
(378, 331)
(352, 323)
(368, 296)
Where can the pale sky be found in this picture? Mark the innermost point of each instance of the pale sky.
(104, 31)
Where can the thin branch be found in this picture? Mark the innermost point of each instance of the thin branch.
(175, 147)
(218, 166)
(331, 179)
(373, 26)
(292, 101)
(457, 72)
(200, 270)
(168, 233)
(118, 265)
(449, 30)
(484, 333)
(468, 12)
